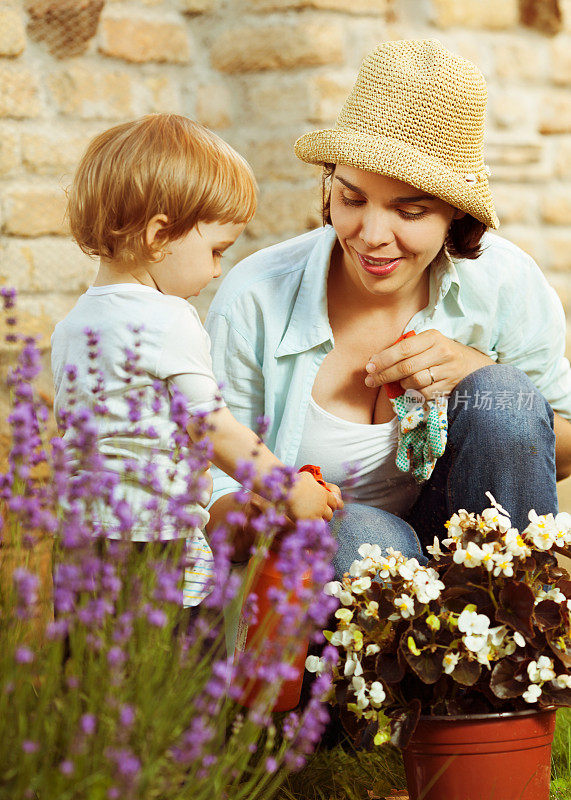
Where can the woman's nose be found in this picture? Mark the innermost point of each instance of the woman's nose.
(376, 230)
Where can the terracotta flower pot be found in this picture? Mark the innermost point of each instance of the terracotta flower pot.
(481, 757)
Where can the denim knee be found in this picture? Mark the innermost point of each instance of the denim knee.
(358, 524)
(503, 402)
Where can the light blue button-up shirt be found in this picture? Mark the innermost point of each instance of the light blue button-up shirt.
(270, 329)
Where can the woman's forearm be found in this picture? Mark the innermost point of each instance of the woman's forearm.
(562, 429)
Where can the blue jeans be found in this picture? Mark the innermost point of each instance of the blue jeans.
(500, 440)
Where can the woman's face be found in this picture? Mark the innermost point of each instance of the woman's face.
(389, 231)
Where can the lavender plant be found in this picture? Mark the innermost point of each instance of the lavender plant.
(121, 694)
(484, 627)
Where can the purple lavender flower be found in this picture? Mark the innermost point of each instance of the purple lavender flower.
(156, 617)
(29, 746)
(24, 655)
(88, 724)
(127, 716)
(66, 767)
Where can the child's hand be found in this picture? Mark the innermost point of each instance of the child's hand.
(309, 500)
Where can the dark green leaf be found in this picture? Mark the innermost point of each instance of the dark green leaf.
(504, 681)
(547, 615)
(467, 672)
(389, 668)
(403, 724)
(516, 607)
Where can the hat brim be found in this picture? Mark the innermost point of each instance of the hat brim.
(402, 161)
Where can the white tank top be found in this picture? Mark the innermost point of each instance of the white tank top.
(366, 452)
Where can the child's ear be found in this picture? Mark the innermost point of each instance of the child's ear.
(153, 236)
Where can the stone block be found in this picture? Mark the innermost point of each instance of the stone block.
(530, 239)
(214, 106)
(10, 158)
(515, 203)
(286, 210)
(555, 205)
(144, 37)
(555, 112)
(517, 160)
(65, 26)
(272, 158)
(517, 59)
(277, 100)
(562, 154)
(558, 245)
(561, 61)
(81, 90)
(252, 49)
(196, 6)
(19, 92)
(53, 150)
(562, 286)
(513, 108)
(45, 265)
(162, 94)
(487, 14)
(544, 16)
(12, 32)
(329, 91)
(34, 210)
(372, 7)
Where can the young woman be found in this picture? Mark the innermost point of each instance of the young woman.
(304, 332)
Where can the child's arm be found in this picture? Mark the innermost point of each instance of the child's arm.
(233, 442)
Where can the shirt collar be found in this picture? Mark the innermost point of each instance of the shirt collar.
(309, 323)
(444, 282)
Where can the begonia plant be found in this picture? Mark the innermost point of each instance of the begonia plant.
(484, 627)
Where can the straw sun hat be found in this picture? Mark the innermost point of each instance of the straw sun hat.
(416, 113)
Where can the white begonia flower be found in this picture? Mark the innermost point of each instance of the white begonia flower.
(336, 589)
(541, 670)
(352, 666)
(371, 609)
(454, 528)
(532, 693)
(488, 551)
(372, 551)
(562, 682)
(405, 605)
(496, 505)
(434, 549)
(475, 628)
(377, 694)
(496, 521)
(344, 614)
(361, 585)
(497, 635)
(372, 650)
(553, 594)
(358, 569)
(427, 585)
(450, 661)
(360, 689)
(315, 664)
(515, 545)
(518, 639)
(408, 569)
(388, 568)
(503, 564)
(472, 556)
(484, 653)
(343, 638)
(542, 531)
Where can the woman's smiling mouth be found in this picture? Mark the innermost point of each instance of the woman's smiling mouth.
(378, 266)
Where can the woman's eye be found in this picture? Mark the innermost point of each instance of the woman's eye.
(351, 201)
(412, 214)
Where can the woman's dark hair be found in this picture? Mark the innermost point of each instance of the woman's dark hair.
(464, 238)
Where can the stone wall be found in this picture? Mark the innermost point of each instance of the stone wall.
(260, 72)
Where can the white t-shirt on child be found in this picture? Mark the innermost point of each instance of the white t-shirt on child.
(172, 346)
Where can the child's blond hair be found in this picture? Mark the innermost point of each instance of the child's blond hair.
(159, 164)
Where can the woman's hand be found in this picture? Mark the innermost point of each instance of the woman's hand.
(429, 362)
